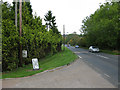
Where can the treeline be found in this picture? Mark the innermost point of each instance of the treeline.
(36, 38)
(101, 28)
(73, 39)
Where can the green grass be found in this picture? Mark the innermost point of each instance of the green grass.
(113, 52)
(47, 63)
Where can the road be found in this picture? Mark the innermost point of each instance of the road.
(75, 75)
(105, 64)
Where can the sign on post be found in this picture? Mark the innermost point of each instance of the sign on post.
(24, 53)
(35, 64)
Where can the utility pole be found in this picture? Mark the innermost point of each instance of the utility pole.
(16, 18)
(20, 11)
(64, 36)
(16, 14)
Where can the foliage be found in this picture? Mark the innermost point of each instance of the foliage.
(50, 22)
(35, 38)
(102, 27)
(10, 40)
(47, 63)
(73, 39)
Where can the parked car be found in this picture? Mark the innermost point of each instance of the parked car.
(93, 49)
(76, 46)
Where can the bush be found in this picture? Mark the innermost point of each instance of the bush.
(35, 39)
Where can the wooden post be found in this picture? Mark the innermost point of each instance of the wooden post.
(20, 11)
(16, 14)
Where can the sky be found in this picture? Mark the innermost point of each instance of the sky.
(67, 12)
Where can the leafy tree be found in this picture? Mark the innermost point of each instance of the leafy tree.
(10, 40)
(101, 28)
(48, 19)
(35, 38)
(26, 11)
(73, 39)
(50, 22)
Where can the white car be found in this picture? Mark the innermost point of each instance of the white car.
(93, 49)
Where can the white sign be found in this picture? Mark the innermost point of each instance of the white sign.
(24, 53)
(35, 63)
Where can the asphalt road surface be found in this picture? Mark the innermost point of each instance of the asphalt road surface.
(78, 74)
(75, 75)
(105, 64)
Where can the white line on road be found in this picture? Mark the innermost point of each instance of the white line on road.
(107, 75)
(76, 52)
(79, 56)
(103, 56)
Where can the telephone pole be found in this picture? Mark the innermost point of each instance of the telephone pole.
(20, 11)
(16, 14)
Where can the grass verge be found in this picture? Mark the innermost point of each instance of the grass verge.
(113, 52)
(47, 63)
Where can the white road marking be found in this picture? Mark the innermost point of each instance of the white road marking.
(79, 56)
(76, 52)
(103, 56)
(107, 75)
(81, 52)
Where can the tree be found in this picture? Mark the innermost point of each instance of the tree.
(73, 39)
(10, 38)
(35, 38)
(50, 22)
(101, 28)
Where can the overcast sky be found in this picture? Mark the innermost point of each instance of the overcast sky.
(68, 12)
